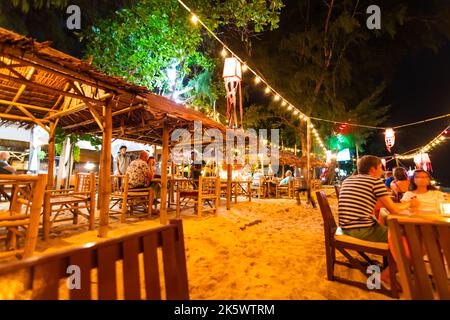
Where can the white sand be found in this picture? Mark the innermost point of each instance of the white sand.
(282, 257)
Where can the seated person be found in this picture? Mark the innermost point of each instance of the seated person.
(152, 175)
(358, 196)
(257, 176)
(288, 178)
(138, 172)
(401, 183)
(428, 198)
(5, 168)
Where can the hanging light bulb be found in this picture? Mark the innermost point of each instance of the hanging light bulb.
(224, 52)
(257, 79)
(267, 90)
(194, 19)
(276, 98)
(244, 67)
(290, 107)
(284, 103)
(296, 112)
(442, 138)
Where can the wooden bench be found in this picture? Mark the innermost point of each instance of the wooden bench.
(44, 274)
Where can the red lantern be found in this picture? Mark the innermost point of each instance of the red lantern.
(232, 75)
(389, 138)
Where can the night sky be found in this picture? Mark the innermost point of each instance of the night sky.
(420, 89)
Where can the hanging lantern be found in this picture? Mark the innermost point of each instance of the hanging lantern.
(389, 138)
(422, 161)
(232, 75)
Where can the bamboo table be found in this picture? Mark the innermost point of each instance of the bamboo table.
(237, 186)
(431, 216)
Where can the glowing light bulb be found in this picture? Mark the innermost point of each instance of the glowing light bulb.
(442, 138)
(267, 90)
(276, 98)
(194, 19)
(244, 67)
(290, 108)
(257, 80)
(284, 103)
(296, 112)
(224, 52)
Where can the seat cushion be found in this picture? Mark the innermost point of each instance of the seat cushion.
(356, 241)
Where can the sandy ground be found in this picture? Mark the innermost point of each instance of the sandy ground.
(280, 257)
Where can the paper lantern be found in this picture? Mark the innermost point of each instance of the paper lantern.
(389, 138)
(422, 161)
(232, 75)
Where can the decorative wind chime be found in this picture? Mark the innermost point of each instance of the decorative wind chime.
(232, 75)
(389, 138)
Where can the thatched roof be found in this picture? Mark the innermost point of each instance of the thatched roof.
(39, 84)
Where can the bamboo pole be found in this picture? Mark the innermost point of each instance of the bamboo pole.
(308, 157)
(50, 174)
(229, 177)
(105, 177)
(164, 160)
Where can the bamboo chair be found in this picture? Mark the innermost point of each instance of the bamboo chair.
(412, 241)
(343, 243)
(72, 201)
(260, 189)
(99, 264)
(22, 218)
(207, 191)
(127, 199)
(284, 189)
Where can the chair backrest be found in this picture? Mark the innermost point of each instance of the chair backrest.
(85, 182)
(26, 203)
(337, 189)
(92, 270)
(209, 185)
(299, 183)
(329, 223)
(414, 240)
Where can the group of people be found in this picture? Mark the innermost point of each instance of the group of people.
(361, 193)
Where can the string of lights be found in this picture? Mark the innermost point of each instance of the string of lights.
(277, 97)
(440, 138)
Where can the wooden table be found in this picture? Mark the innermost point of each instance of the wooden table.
(237, 186)
(423, 216)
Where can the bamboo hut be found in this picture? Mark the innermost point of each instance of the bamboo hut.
(43, 86)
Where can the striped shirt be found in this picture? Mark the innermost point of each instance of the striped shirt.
(357, 200)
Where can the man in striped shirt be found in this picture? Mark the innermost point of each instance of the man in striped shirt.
(357, 198)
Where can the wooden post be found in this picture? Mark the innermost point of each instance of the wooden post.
(50, 176)
(105, 177)
(229, 177)
(308, 157)
(164, 160)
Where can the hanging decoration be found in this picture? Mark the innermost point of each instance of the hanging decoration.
(232, 75)
(389, 138)
(423, 161)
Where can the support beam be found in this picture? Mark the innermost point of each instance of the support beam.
(105, 177)
(308, 157)
(50, 177)
(28, 106)
(21, 89)
(229, 178)
(164, 161)
(41, 87)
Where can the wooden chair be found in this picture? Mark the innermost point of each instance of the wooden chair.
(412, 241)
(207, 191)
(337, 189)
(72, 201)
(260, 189)
(98, 268)
(22, 218)
(343, 243)
(298, 186)
(284, 189)
(129, 199)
